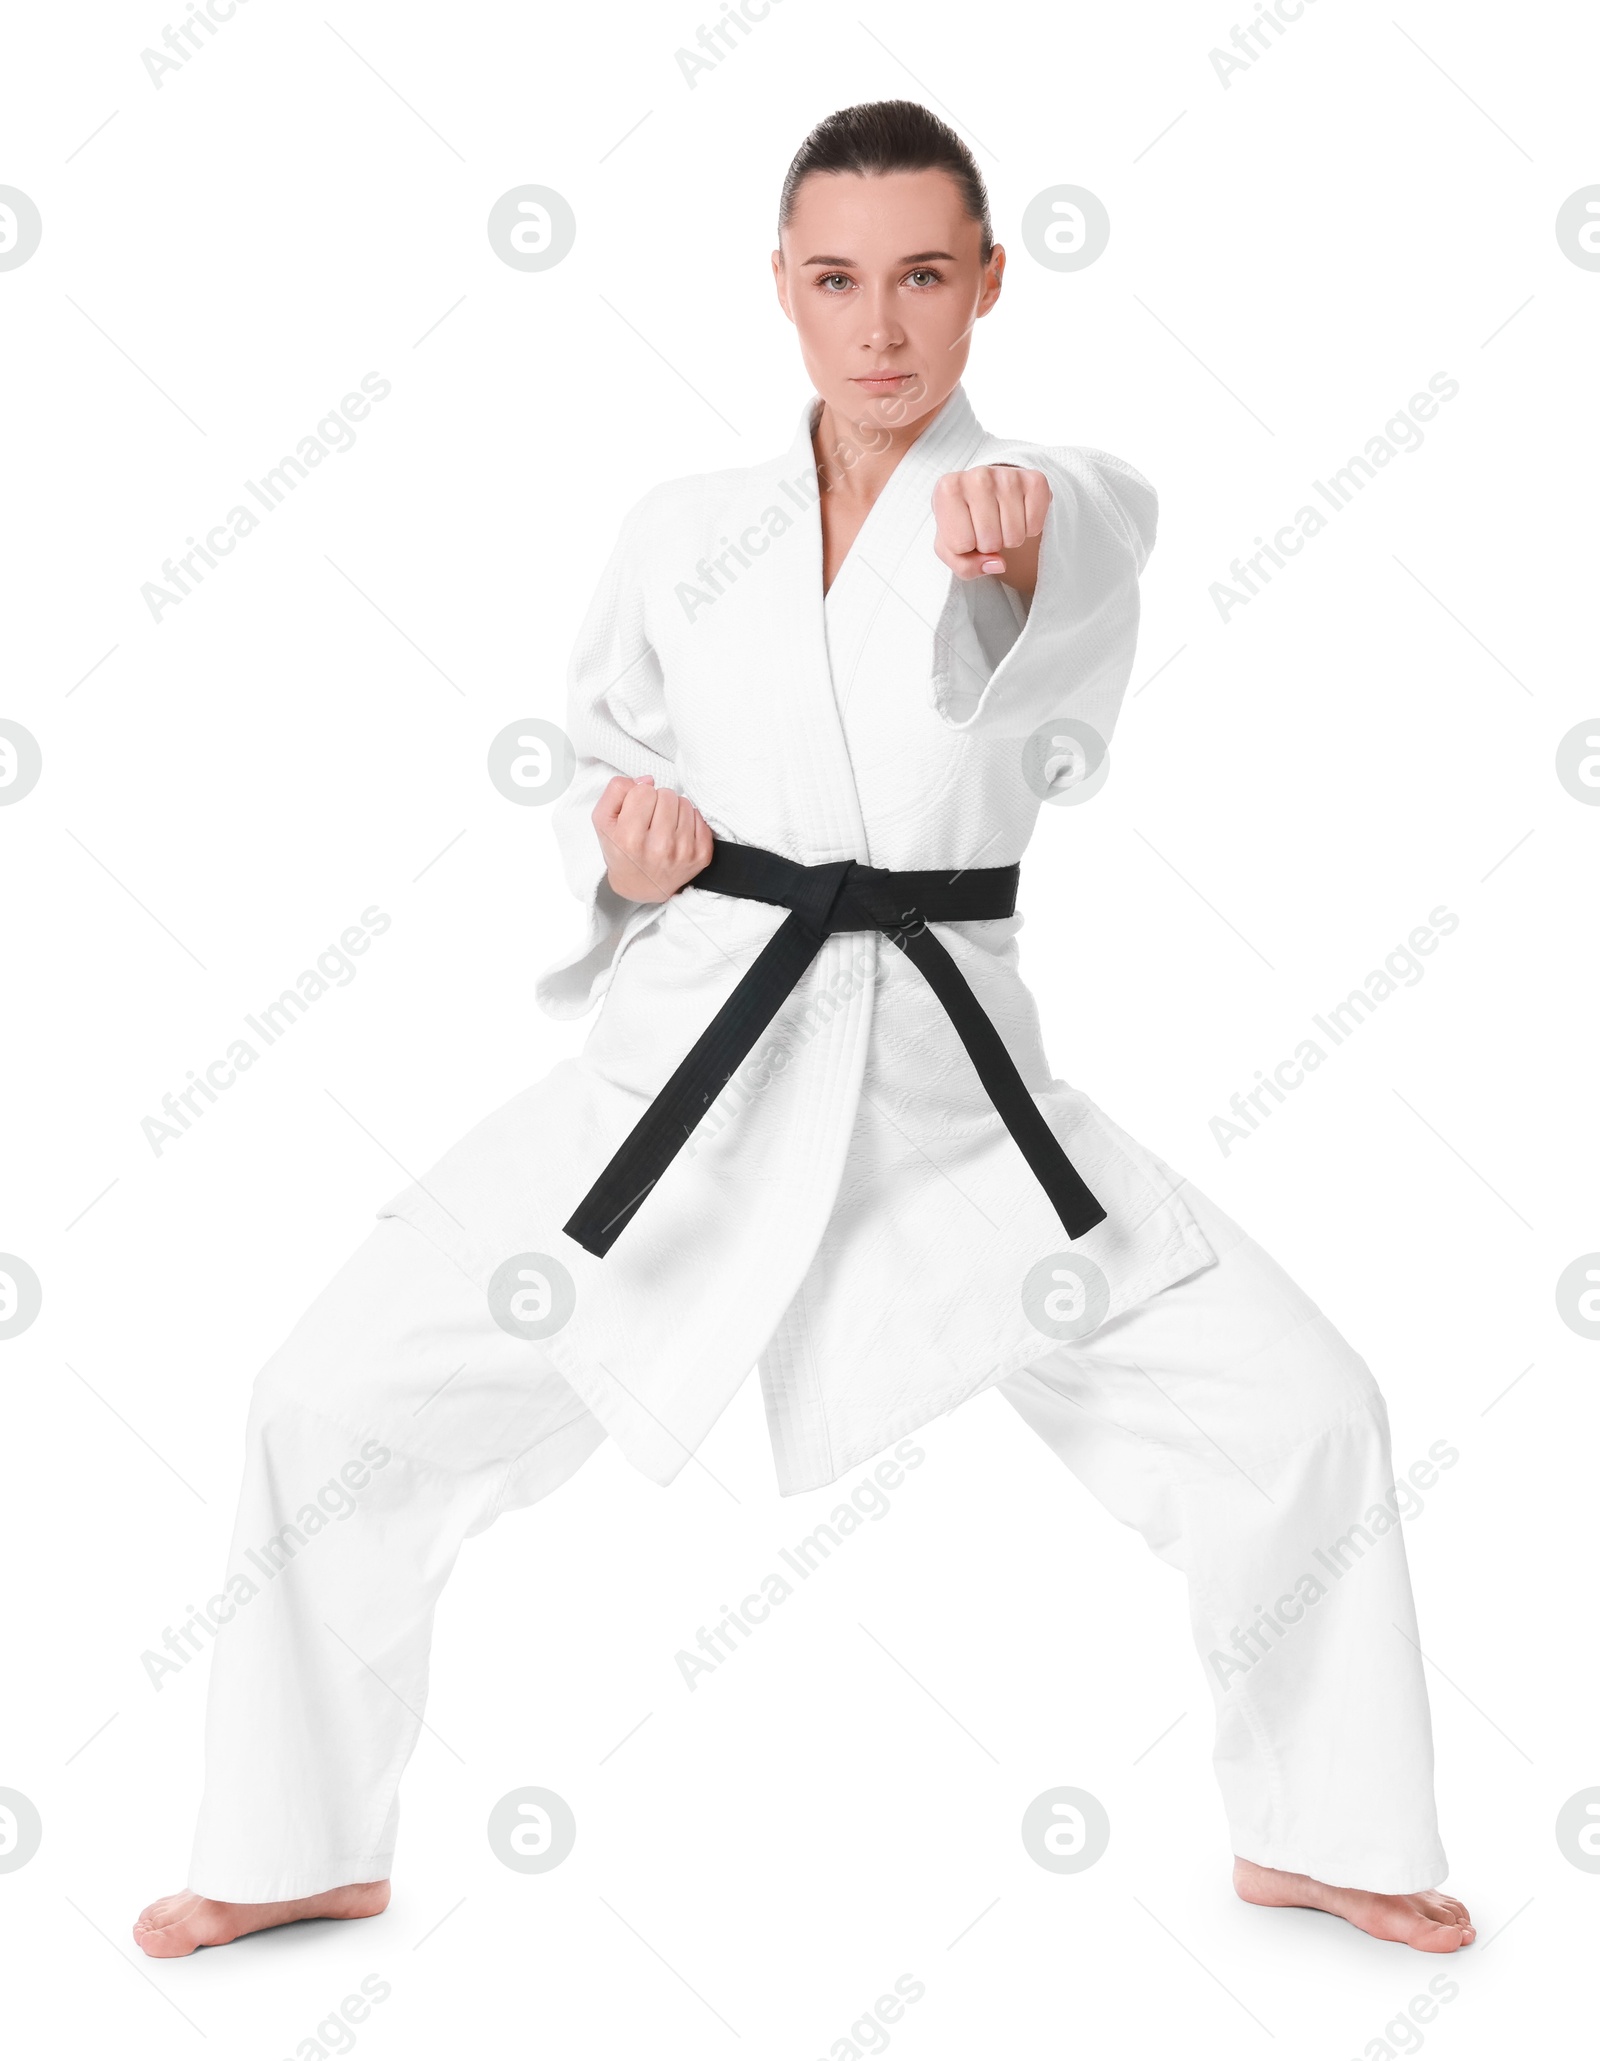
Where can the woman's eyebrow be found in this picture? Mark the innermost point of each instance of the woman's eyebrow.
(916, 258)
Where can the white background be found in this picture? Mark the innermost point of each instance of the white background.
(1372, 202)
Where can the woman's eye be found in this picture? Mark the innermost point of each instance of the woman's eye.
(923, 276)
(828, 279)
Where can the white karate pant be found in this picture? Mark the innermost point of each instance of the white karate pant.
(1225, 1420)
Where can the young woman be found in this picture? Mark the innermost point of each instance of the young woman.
(815, 706)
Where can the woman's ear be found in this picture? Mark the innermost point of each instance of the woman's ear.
(993, 275)
(780, 281)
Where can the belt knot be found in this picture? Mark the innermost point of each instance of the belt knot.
(816, 891)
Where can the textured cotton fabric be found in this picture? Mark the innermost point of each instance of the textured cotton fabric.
(851, 1215)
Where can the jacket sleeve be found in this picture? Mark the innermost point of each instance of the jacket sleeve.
(1070, 652)
(617, 721)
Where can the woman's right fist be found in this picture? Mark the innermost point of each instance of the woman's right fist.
(654, 841)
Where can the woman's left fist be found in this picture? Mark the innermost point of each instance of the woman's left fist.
(990, 520)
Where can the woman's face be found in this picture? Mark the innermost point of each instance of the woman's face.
(881, 277)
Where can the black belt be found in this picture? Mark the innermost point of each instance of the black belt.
(822, 900)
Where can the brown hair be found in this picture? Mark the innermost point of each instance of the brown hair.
(889, 136)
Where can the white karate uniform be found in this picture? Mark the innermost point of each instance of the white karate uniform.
(1225, 1419)
(852, 1214)
(855, 1163)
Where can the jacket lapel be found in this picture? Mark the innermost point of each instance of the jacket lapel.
(891, 563)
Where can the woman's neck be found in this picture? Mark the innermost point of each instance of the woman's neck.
(853, 461)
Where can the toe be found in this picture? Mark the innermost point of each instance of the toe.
(162, 1928)
(1434, 1937)
(166, 1942)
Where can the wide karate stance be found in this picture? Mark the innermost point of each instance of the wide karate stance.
(814, 1128)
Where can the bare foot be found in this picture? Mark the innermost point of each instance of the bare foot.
(176, 1925)
(1427, 1919)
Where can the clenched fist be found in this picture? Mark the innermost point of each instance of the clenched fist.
(654, 841)
(990, 520)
